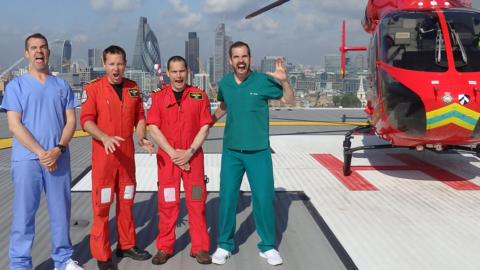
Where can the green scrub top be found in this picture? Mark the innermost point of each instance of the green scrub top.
(246, 127)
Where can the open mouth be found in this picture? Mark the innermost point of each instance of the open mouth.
(241, 66)
(39, 59)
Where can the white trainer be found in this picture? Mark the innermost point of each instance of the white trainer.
(220, 256)
(72, 265)
(272, 256)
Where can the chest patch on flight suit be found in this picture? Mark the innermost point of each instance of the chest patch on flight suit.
(196, 96)
(133, 92)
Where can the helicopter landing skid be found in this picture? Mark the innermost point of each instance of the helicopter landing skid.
(348, 150)
(474, 149)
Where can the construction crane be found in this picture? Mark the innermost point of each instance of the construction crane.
(5, 72)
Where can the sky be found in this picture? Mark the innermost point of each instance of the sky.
(303, 31)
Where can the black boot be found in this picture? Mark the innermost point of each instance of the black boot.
(107, 265)
(134, 253)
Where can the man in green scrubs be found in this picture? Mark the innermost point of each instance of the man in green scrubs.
(244, 96)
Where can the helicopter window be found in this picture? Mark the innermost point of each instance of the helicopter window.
(464, 27)
(409, 40)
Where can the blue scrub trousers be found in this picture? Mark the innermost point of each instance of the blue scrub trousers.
(29, 179)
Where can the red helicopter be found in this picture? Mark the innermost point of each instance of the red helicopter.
(424, 75)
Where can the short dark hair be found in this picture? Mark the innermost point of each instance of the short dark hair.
(238, 44)
(114, 49)
(177, 58)
(36, 35)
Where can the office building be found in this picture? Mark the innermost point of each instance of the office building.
(60, 56)
(95, 58)
(147, 51)
(192, 52)
(221, 65)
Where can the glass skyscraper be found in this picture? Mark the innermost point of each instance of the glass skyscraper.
(94, 58)
(60, 56)
(147, 52)
(220, 58)
(192, 52)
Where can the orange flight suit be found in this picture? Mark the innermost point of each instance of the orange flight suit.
(180, 124)
(112, 173)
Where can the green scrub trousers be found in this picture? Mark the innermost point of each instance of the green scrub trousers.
(258, 166)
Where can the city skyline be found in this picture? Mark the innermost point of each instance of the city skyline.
(99, 23)
(303, 31)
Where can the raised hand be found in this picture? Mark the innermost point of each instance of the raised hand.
(280, 71)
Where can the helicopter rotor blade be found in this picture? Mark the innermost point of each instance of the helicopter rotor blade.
(266, 8)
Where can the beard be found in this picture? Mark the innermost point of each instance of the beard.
(237, 69)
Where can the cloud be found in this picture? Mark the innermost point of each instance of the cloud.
(222, 6)
(264, 24)
(115, 5)
(327, 7)
(80, 38)
(189, 19)
(312, 22)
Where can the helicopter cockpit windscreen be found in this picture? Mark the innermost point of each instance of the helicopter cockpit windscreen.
(464, 28)
(413, 40)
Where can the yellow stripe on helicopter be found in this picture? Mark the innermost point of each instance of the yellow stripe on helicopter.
(452, 114)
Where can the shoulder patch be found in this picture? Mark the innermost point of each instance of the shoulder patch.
(196, 95)
(156, 90)
(92, 81)
(133, 92)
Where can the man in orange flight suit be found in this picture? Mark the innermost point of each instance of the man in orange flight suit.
(178, 122)
(111, 108)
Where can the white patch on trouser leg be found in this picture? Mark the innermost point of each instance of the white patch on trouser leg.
(169, 194)
(105, 195)
(128, 194)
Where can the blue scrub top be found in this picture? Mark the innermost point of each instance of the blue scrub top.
(43, 110)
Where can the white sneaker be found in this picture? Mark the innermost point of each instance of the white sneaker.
(72, 265)
(220, 256)
(272, 256)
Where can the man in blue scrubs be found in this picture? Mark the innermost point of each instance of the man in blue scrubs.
(41, 116)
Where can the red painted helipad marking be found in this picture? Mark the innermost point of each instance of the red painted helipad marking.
(444, 176)
(356, 182)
